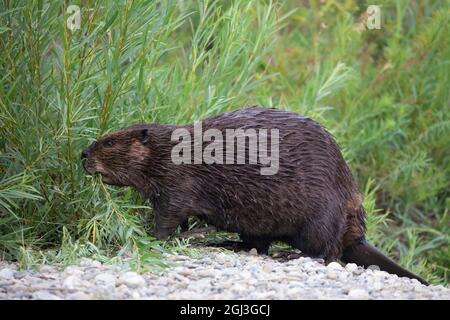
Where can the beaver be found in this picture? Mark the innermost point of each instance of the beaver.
(312, 201)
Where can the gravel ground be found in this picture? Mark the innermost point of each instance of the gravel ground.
(217, 275)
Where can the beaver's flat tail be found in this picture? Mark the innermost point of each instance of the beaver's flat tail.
(364, 254)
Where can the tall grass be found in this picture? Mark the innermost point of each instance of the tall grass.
(383, 93)
(130, 61)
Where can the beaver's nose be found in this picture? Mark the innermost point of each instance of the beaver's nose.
(84, 154)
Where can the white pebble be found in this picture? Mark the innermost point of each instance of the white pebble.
(80, 295)
(47, 269)
(358, 294)
(96, 264)
(85, 262)
(186, 272)
(73, 271)
(377, 285)
(6, 273)
(332, 275)
(267, 268)
(206, 273)
(334, 266)
(105, 279)
(44, 295)
(343, 276)
(351, 267)
(132, 279)
(72, 282)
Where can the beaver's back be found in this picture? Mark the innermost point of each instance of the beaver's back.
(311, 193)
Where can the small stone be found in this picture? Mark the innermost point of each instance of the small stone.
(6, 273)
(343, 276)
(377, 286)
(351, 267)
(135, 295)
(293, 292)
(415, 282)
(105, 279)
(381, 274)
(44, 295)
(132, 279)
(185, 272)
(387, 293)
(47, 269)
(359, 271)
(334, 266)
(358, 294)
(80, 295)
(20, 274)
(21, 296)
(319, 260)
(180, 278)
(267, 268)
(331, 274)
(226, 285)
(177, 258)
(96, 264)
(71, 270)
(72, 282)
(304, 259)
(85, 262)
(253, 252)
(206, 273)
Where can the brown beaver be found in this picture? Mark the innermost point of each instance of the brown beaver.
(312, 202)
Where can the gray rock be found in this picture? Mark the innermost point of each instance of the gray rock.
(80, 295)
(131, 279)
(73, 270)
(334, 266)
(96, 264)
(351, 267)
(358, 294)
(216, 275)
(6, 273)
(85, 262)
(186, 272)
(267, 268)
(373, 267)
(72, 282)
(20, 274)
(105, 279)
(331, 274)
(318, 260)
(47, 269)
(206, 273)
(45, 295)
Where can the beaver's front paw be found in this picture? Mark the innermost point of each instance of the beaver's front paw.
(162, 234)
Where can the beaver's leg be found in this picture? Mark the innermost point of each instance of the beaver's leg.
(320, 239)
(167, 221)
(184, 226)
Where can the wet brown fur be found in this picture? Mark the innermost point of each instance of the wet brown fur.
(312, 203)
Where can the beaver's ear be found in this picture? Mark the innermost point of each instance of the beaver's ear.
(144, 136)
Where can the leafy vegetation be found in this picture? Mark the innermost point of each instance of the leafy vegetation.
(383, 93)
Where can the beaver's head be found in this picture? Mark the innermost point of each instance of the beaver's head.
(120, 156)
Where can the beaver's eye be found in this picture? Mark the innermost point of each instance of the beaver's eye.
(109, 143)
